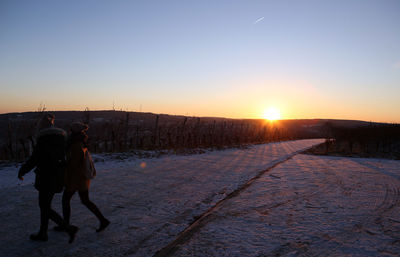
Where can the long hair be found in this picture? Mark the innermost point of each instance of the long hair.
(77, 137)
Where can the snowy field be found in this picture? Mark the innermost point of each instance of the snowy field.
(267, 200)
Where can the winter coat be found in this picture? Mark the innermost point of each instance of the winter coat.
(49, 159)
(75, 179)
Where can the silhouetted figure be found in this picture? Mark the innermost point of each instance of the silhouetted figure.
(78, 174)
(49, 159)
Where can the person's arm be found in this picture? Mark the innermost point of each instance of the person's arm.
(28, 165)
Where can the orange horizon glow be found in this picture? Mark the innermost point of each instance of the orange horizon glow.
(285, 113)
(232, 106)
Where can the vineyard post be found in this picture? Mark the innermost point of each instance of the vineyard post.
(155, 133)
(9, 134)
(126, 130)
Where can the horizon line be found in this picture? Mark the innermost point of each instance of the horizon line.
(195, 116)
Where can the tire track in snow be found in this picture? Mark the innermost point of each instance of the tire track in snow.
(207, 216)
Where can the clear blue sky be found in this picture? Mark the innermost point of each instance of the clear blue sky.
(310, 59)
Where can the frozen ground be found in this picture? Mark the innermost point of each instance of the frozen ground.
(308, 206)
(305, 205)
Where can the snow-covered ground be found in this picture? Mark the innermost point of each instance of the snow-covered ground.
(308, 206)
(305, 205)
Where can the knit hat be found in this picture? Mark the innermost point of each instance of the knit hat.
(77, 127)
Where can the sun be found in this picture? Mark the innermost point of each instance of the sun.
(272, 114)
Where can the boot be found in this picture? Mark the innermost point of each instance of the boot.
(103, 225)
(39, 237)
(72, 230)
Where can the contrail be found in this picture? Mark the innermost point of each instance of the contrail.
(258, 20)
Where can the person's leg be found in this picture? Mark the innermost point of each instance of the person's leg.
(66, 204)
(47, 213)
(63, 224)
(45, 198)
(84, 196)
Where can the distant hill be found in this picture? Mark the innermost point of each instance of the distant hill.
(145, 116)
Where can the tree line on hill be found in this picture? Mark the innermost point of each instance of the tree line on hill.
(118, 131)
(374, 140)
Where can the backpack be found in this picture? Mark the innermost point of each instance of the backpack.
(90, 170)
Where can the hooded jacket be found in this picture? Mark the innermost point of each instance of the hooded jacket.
(48, 159)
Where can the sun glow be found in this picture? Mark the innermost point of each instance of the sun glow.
(272, 114)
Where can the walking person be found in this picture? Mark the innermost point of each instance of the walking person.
(48, 158)
(79, 173)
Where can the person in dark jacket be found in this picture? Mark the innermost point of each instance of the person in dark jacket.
(48, 159)
(76, 178)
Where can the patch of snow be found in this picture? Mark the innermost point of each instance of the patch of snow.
(149, 201)
(309, 206)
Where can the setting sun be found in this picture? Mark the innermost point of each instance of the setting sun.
(272, 114)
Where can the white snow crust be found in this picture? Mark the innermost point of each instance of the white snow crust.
(309, 206)
(305, 206)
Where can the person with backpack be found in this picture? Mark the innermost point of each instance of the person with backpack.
(80, 170)
(48, 159)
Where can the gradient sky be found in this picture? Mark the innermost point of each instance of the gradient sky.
(310, 59)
